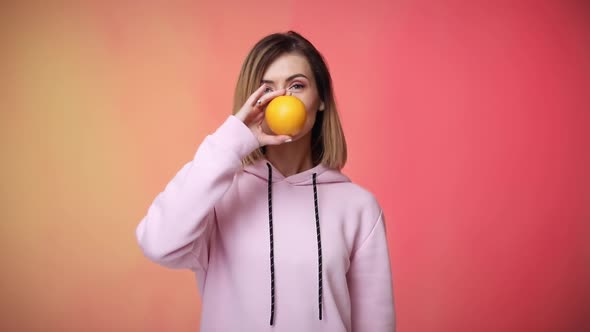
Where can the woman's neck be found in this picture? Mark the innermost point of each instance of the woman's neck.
(291, 158)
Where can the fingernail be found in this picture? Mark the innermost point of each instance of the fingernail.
(288, 140)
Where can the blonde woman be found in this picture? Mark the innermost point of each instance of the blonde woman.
(278, 238)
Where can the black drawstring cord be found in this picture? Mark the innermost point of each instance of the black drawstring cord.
(272, 256)
(319, 238)
(272, 252)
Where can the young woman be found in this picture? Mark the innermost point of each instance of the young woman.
(278, 238)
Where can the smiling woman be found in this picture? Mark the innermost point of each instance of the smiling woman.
(277, 236)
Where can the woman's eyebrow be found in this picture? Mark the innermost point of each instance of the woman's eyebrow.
(290, 78)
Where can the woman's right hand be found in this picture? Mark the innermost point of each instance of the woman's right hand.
(252, 114)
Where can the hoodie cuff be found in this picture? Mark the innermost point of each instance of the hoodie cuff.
(236, 136)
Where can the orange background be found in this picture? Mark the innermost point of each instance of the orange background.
(469, 120)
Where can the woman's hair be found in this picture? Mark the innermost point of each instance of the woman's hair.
(328, 145)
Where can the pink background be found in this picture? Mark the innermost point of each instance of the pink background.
(469, 120)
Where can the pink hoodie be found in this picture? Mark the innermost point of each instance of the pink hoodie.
(299, 255)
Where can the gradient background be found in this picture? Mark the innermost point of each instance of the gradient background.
(470, 121)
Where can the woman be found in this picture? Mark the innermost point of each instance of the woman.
(278, 238)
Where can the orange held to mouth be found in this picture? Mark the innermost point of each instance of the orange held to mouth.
(285, 115)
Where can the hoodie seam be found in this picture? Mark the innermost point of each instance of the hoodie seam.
(352, 257)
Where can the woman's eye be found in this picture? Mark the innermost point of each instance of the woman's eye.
(267, 90)
(296, 86)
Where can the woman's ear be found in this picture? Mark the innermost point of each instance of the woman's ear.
(322, 107)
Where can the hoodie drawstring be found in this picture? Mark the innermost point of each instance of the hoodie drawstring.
(319, 238)
(272, 258)
(272, 251)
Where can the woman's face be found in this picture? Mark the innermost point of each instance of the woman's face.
(293, 73)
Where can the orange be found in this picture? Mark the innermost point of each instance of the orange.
(285, 115)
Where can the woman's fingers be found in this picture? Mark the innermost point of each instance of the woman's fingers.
(252, 114)
(245, 113)
(265, 98)
(256, 95)
(256, 103)
(260, 95)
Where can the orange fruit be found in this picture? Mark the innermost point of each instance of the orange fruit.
(285, 115)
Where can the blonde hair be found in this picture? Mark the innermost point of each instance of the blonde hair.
(328, 145)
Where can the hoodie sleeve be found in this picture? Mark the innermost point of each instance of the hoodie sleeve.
(175, 231)
(370, 284)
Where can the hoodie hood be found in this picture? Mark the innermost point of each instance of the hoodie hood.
(305, 178)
